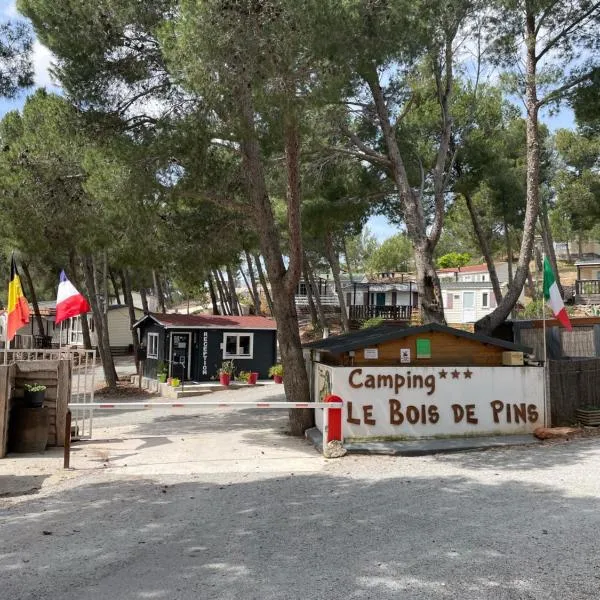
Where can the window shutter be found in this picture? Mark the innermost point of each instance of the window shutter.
(366, 298)
(449, 301)
(348, 298)
(394, 298)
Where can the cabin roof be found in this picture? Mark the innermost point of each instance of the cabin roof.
(387, 333)
(177, 321)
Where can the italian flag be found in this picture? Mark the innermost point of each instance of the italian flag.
(552, 297)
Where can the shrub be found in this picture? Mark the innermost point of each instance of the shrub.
(372, 322)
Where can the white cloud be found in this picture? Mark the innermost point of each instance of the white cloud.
(42, 61)
(10, 10)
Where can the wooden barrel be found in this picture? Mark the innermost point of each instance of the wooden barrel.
(29, 429)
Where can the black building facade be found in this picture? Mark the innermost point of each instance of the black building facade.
(195, 346)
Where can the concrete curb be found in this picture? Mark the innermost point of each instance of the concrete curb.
(427, 447)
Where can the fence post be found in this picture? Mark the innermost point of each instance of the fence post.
(333, 418)
(67, 451)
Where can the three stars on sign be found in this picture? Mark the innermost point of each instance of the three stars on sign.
(455, 374)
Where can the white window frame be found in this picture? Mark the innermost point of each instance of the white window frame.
(150, 353)
(75, 331)
(237, 344)
(485, 299)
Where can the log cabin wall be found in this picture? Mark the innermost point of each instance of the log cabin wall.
(446, 349)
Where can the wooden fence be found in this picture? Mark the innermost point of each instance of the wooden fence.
(572, 384)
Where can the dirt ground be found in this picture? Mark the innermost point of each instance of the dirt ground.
(220, 503)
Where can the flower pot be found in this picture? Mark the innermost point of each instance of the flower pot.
(34, 399)
(169, 380)
(224, 378)
(253, 378)
(589, 417)
(162, 378)
(277, 378)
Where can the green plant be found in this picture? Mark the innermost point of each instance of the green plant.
(244, 376)
(227, 368)
(34, 387)
(175, 382)
(161, 368)
(162, 377)
(372, 322)
(276, 371)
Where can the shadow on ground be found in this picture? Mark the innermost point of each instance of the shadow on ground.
(303, 537)
(20, 485)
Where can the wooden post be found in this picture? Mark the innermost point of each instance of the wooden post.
(67, 453)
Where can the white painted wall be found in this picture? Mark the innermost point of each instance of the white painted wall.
(481, 392)
(456, 313)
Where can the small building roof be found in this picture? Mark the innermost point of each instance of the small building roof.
(177, 321)
(587, 263)
(386, 333)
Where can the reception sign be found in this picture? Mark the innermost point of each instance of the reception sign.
(420, 402)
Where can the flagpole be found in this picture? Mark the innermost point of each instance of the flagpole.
(547, 416)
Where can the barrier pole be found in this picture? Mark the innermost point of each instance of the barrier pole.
(67, 449)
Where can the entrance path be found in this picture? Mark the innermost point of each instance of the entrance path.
(220, 504)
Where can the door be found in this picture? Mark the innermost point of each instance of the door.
(380, 299)
(180, 355)
(468, 307)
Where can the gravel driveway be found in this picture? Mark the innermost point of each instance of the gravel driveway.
(221, 504)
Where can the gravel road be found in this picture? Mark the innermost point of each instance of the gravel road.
(222, 504)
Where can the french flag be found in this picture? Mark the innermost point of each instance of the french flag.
(69, 302)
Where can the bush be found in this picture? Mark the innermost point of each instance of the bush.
(453, 259)
(372, 322)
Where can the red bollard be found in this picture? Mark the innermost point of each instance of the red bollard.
(334, 419)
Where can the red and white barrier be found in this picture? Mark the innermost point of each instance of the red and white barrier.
(128, 405)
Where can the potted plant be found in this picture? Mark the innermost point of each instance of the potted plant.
(175, 382)
(276, 372)
(248, 377)
(161, 371)
(34, 395)
(226, 372)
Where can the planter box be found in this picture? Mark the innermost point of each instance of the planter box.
(588, 417)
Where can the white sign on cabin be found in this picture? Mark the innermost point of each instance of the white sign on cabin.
(421, 402)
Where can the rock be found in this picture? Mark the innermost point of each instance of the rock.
(334, 449)
(556, 433)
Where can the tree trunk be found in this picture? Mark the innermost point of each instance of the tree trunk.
(126, 284)
(579, 248)
(531, 284)
(213, 295)
(144, 299)
(484, 246)
(113, 281)
(283, 281)
(158, 292)
(222, 296)
(428, 283)
(348, 265)
(252, 276)
(263, 283)
(249, 288)
(316, 294)
(34, 300)
(233, 297)
(549, 244)
(495, 318)
(85, 328)
(568, 251)
(334, 263)
(108, 366)
(309, 297)
(509, 252)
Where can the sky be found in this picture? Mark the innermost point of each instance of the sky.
(42, 59)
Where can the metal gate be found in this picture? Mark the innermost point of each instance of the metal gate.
(83, 379)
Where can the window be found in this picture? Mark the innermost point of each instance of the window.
(485, 300)
(152, 345)
(302, 289)
(76, 336)
(238, 345)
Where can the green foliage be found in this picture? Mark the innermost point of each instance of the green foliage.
(34, 387)
(372, 322)
(276, 370)
(227, 368)
(161, 368)
(244, 376)
(175, 382)
(453, 259)
(394, 254)
(16, 70)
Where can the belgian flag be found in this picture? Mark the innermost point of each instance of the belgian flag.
(18, 309)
